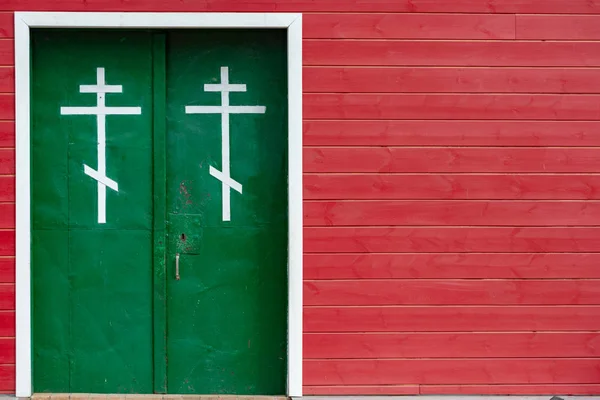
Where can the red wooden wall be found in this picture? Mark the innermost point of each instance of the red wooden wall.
(452, 187)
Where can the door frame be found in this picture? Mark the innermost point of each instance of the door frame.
(24, 21)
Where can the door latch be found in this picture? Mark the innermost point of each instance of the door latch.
(177, 277)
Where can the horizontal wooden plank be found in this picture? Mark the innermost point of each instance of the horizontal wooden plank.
(7, 270)
(549, 390)
(446, 292)
(451, 319)
(409, 26)
(561, 27)
(455, 371)
(451, 53)
(450, 80)
(450, 345)
(437, 213)
(445, 187)
(7, 215)
(441, 239)
(445, 159)
(7, 54)
(7, 377)
(7, 161)
(7, 79)
(346, 390)
(467, 6)
(7, 350)
(452, 106)
(7, 188)
(7, 296)
(452, 266)
(7, 324)
(7, 243)
(450, 133)
(7, 134)
(6, 25)
(7, 106)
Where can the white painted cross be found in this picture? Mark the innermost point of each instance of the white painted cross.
(225, 109)
(101, 111)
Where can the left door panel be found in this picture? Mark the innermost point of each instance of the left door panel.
(91, 212)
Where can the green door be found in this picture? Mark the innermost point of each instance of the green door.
(227, 212)
(140, 171)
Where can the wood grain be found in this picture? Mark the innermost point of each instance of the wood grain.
(450, 133)
(409, 26)
(451, 319)
(451, 345)
(453, 371)
(450, 160)
(7, 215)
(348, 390)
(7, 134)
(450, 80)
(455, 6)
(7, 161)
(545, 389)
(7, 270)
(445, 292)
(7, 243)
(441, 213)
(442, 239)
(7, 53)
(7, 106)
(452, 266)
(451, 53)
(561, 27)
(7, 79)
(324, 186)
(7, 324)
(452, 106)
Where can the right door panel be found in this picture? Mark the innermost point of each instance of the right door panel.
(227, 212)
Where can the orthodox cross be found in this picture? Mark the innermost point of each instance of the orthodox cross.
(101, 111)
(225, 109)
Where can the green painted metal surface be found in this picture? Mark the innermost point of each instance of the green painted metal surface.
(109, 315)
(227, 313)
(92, 283)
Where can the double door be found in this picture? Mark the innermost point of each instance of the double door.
(159, 211)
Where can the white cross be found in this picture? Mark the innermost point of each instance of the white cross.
(225, 109)
(101, 111)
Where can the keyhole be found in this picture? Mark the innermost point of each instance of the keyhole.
(183, 237)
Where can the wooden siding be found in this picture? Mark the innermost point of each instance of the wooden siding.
(452, 180)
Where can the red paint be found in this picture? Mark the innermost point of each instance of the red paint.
(450, 239)
(360, 390)
(450, 80)
(7, 79)
(549, 390)
(7, 324)
(7, 242)
(452, 160)
(7, 134)
(7, 270)
(7, 106)
(7, 53)
(451, 319)
(409, 26)
(559, 27)
(451, 53)
(451, 133)
(444, 371)
(452, 266)
(7, 189)
(386, 292)
(355, 186)
(452, 106)
(7, 215)
(451, 345)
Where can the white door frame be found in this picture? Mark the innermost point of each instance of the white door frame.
(26, 20)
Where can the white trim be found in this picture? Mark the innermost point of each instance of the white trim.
(26, 20)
